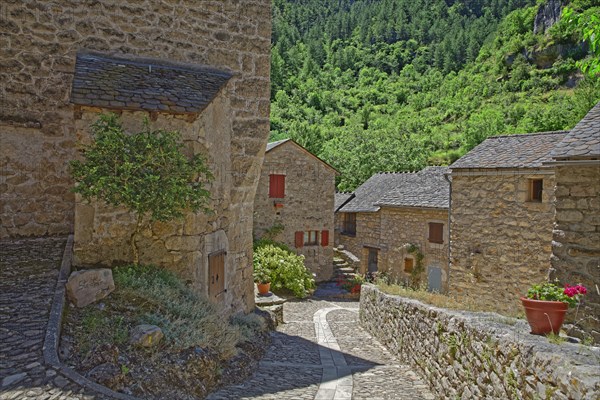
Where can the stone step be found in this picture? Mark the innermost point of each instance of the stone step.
(345, 270)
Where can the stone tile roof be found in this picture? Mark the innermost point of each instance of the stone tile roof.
(132, 83)
(583, 141)
(272, 145)
(427, 188)
(511, 151)
(374, 188)
(340, 199)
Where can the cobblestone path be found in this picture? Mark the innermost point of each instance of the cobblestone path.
(28, 274)
(322, 353)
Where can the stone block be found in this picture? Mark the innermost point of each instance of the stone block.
(146, 335)
(88, 286)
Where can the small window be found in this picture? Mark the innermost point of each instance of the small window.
(311, 238)
(536, 187)
(408, 264)
(436, 232)
(277, 186)
(349, 224)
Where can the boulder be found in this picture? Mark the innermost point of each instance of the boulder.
(88, 286)
(146, 335)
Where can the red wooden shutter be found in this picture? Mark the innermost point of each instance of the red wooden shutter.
(436, 232)
(324, 238)
(277, 186)
(299, 239)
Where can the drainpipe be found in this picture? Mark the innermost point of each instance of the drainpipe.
(446, 176)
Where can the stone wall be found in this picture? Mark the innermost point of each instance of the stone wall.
(500, 242)
(576, 240)
(38, 126)
(402, 226)
(368, 233)
(479, 355)
(37, 129)
(307, 205)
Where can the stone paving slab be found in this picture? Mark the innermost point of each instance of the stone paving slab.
(28, 274)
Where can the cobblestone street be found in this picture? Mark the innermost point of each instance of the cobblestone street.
(28, 274)
(319, 353)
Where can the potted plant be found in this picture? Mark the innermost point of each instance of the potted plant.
(546, 305)
(262, 278)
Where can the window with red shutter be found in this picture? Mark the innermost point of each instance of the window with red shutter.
(299, 239)
(324, 238)
(277, 186)
(436, 232)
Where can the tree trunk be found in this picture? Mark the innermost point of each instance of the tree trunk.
(133, 243)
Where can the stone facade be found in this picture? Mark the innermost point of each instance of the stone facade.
(368, 233)
(307, 205)
(500, 241)
(576, 244)
(39, 127)
(478, 355)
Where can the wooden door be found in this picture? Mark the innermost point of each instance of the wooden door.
(372, 260)
(216, 274)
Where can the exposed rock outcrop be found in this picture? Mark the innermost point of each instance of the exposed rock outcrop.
(548, 14)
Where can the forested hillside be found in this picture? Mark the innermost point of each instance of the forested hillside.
(395, 85)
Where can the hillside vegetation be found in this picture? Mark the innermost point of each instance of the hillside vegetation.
(395, 85)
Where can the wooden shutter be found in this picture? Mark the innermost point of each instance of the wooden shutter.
(408, 264)
(216, 274)
(436, 232)
(277, 186)
(299, 239)
(324, 238)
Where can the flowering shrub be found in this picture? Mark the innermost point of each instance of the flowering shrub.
(285, 269)
(353, 284)
(552, 292)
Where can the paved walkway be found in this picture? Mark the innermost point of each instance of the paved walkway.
(321, 353)
(28, 274)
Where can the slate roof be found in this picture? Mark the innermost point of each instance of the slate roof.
(427, 188)
(511, 151)
(583, 141)
(341, 198)
(374, 188)
(131, 83)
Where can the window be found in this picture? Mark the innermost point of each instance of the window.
(216, 272)
(277, 186)
(311, 238)
(408, 264)
(349, 224)
(536, 187)
(436, 232)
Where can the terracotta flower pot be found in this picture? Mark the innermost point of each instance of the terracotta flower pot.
(263, 288)
(544, 316)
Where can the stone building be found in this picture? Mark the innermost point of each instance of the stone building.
(395, 216)
(294, 202)
(576, 237)
(198, 67)
(501, 217)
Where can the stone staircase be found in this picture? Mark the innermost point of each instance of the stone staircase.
(343, 270)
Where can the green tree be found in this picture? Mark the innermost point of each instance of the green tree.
(145, 172)
(588, 25)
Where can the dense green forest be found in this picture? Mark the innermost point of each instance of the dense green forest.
(395, 85)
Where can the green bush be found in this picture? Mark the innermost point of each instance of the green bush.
(286, 269)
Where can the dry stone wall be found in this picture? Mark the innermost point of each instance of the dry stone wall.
(500, 242)
(307, 205)
(479, 355)
(576, 239)
(39, 128)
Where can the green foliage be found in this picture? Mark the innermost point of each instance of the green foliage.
(395, 85)
(98, 327)
(286, 269)
(187, 319)
(549, 291)
(145, 172)
(588, 25)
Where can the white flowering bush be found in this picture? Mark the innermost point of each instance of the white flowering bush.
(286, 269)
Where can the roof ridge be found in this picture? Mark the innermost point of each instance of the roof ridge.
(530, 134)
